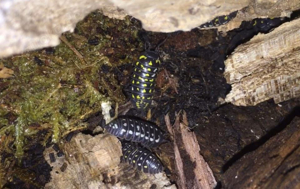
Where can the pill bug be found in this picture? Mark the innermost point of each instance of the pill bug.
(264, 24)
(135, 130)
(218, 21)
(142, 82)
(141, 158)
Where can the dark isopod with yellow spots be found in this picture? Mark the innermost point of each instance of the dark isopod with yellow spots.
(218, 21)
(141, 158)
(143, 79)
(135, 130)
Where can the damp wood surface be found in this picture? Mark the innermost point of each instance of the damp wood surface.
(231, 129)
(275, 163)
(266, 67)
(191, 169)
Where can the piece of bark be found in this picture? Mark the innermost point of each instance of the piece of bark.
(93, 162)
(85, 160)
(266, 67)
(192, 170)
(274, 164)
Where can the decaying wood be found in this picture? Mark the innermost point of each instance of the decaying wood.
(192, 170)
(93, 162)
(42, 22)
(266, 67)
(274, 164)
(86, 159)
(127, 177)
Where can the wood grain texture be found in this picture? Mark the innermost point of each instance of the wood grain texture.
(275, 163)
(266, 67)
(192, 170)
(85, 160)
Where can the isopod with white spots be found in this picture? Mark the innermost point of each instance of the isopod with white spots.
(141, 158)
(135, 130)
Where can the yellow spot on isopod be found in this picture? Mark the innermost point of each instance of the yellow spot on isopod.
(150, 63)
(137, 63)
(254, 23)
(132, 81)
(143, 57)
(138, 97)
(144, 85)
(145, 166)
(149, 69)
(144, 91)
(147, 75)
(133, 96)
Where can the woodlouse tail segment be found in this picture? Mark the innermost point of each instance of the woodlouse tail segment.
(141, 158)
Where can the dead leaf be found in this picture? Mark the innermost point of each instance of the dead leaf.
(5, 72)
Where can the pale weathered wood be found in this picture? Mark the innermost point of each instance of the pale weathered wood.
(266, 67)
(86, 159)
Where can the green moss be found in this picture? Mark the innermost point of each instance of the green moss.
(65, 89)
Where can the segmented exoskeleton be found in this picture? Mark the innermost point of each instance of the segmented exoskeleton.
(141, 158)
(136, 130)
(143, 79)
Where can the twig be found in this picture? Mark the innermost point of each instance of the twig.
(64, 39)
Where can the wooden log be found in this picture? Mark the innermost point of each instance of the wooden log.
(275, 164)
(266, 67)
